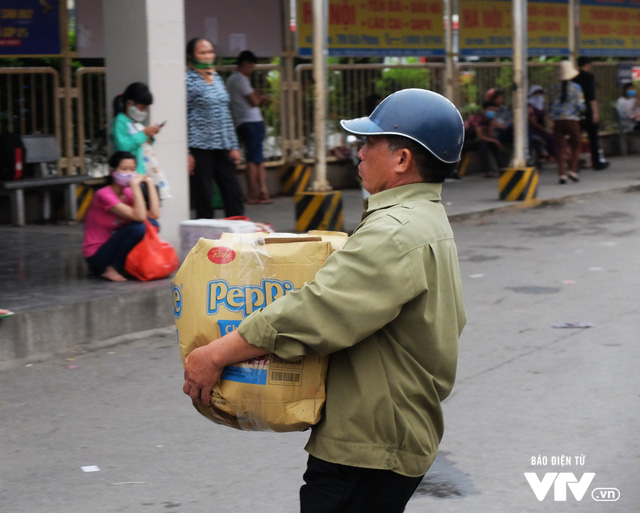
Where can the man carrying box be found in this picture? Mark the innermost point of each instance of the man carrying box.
(387, 308)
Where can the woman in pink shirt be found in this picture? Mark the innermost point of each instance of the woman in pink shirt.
(114, 223)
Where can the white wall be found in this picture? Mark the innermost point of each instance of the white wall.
(234, 25)
(144, 42)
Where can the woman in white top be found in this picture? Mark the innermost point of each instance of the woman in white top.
(628, 109)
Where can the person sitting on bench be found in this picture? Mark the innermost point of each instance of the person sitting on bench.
(628, 109)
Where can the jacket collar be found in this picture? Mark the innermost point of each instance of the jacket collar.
(402, 194)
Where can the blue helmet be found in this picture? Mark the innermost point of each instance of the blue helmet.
(424, 116)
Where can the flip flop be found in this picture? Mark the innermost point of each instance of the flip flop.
(5, 313)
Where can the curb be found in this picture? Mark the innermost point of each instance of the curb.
(538, 203)
(89, 347)
(37, 335)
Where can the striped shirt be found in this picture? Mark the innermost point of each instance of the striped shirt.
(208, 114)
(572, 107)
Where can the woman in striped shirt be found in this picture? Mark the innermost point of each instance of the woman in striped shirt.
(213, 144)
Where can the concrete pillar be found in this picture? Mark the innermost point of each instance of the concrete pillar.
(145, 42)
(520, 79)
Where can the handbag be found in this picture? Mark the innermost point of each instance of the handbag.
(152, 168)
(152, 258)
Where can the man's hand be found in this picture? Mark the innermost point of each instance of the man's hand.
(204, 365)
(201, 373)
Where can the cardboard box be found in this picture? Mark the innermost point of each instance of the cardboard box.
(223, 281)
(193, 230)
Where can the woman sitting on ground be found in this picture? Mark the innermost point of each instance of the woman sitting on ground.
(115, 221)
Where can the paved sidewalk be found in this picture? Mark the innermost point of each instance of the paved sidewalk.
(57, 307)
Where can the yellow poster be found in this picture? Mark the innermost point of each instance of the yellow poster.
(363, 28)
(610, 27)
(486, 28)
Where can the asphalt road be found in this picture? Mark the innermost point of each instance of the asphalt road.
(526, 390)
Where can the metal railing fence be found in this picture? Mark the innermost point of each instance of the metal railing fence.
(478, 77)
(30, 101)
(350, 87)
(92, 129)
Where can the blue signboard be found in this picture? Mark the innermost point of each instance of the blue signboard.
(29, 28)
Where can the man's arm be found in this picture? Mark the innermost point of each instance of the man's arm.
(256, 99)
(204, 365)
(594, 111)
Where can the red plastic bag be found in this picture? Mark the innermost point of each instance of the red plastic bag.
(152, 258)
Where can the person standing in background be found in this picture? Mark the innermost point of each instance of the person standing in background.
(245, 107)
(213, 143)
(130, 110)
(587, 82)
(566, 107)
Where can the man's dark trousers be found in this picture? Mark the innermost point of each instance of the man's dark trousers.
(592, 133)
(333, 488)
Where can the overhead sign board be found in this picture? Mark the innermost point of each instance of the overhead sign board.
(610, 28)
(486, 28)
(364, 28)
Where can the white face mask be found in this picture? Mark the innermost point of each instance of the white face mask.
(537, 100)
(136, 114)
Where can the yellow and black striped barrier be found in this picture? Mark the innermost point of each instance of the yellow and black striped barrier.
(464, 163)
(294, 179)
(319, 211)
(518, 184)
(84, 196)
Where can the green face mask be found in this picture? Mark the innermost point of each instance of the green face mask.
(201, 64)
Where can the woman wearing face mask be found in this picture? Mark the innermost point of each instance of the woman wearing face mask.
(130, 110)
(213, 143)
(538, 133)
(628, 109)
(479, 135)
(114, 223)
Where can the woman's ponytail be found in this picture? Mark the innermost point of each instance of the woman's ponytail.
(118, 104)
